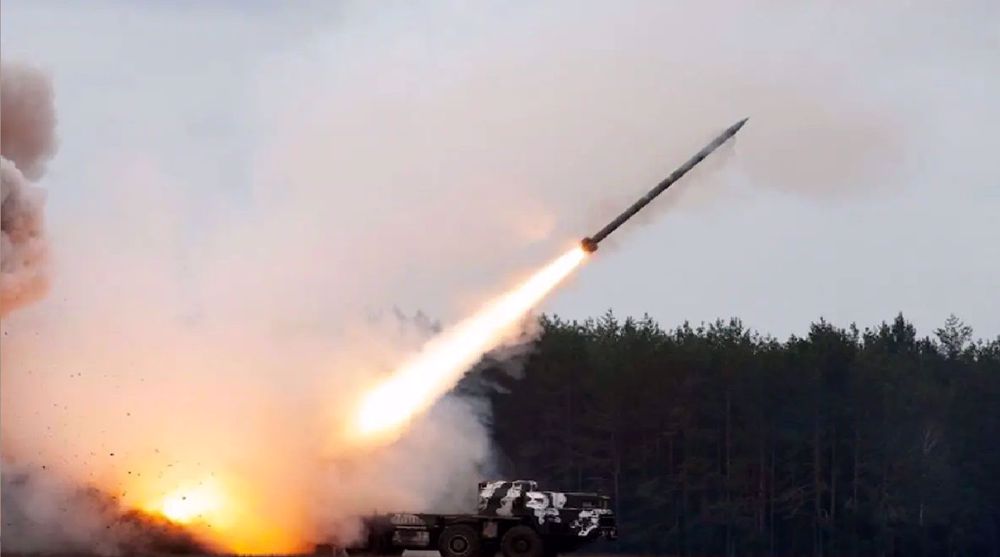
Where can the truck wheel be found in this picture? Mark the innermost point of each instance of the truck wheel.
(522, 541)
(459, 541)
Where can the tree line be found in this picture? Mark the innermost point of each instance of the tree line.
(715, 440)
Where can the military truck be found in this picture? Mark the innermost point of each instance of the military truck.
(514, 517)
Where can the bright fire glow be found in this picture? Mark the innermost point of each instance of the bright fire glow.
(415, 386)
(225, 512)
(200, 503)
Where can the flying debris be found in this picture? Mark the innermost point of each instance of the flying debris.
(590, 243)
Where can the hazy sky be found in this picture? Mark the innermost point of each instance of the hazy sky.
(440, 150)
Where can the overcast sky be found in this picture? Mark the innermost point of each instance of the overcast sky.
(433, 153)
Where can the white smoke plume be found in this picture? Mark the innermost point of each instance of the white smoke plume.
(27, 141)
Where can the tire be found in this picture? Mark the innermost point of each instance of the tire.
(459, 540)
(522, 541)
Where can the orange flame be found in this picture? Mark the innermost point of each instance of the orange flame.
(202, 503)
(415, 386)
(219, 510)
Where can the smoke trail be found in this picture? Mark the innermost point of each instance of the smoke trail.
(442, 362)
(27, 141)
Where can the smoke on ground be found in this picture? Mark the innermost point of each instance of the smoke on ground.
(41, 513)
(27, 141)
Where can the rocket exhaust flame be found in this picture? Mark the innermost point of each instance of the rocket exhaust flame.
(415, 386)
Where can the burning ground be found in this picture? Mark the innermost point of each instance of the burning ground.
(40, 515)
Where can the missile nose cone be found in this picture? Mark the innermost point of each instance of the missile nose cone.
(738, 125)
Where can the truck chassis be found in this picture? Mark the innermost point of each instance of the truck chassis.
(513, 518)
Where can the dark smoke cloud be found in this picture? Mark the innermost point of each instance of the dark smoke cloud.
(27, 141)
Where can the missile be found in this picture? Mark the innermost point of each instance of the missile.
(590, 243)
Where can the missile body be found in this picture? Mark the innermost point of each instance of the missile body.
(590, 243)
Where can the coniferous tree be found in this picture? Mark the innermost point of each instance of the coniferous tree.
(717, 441)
